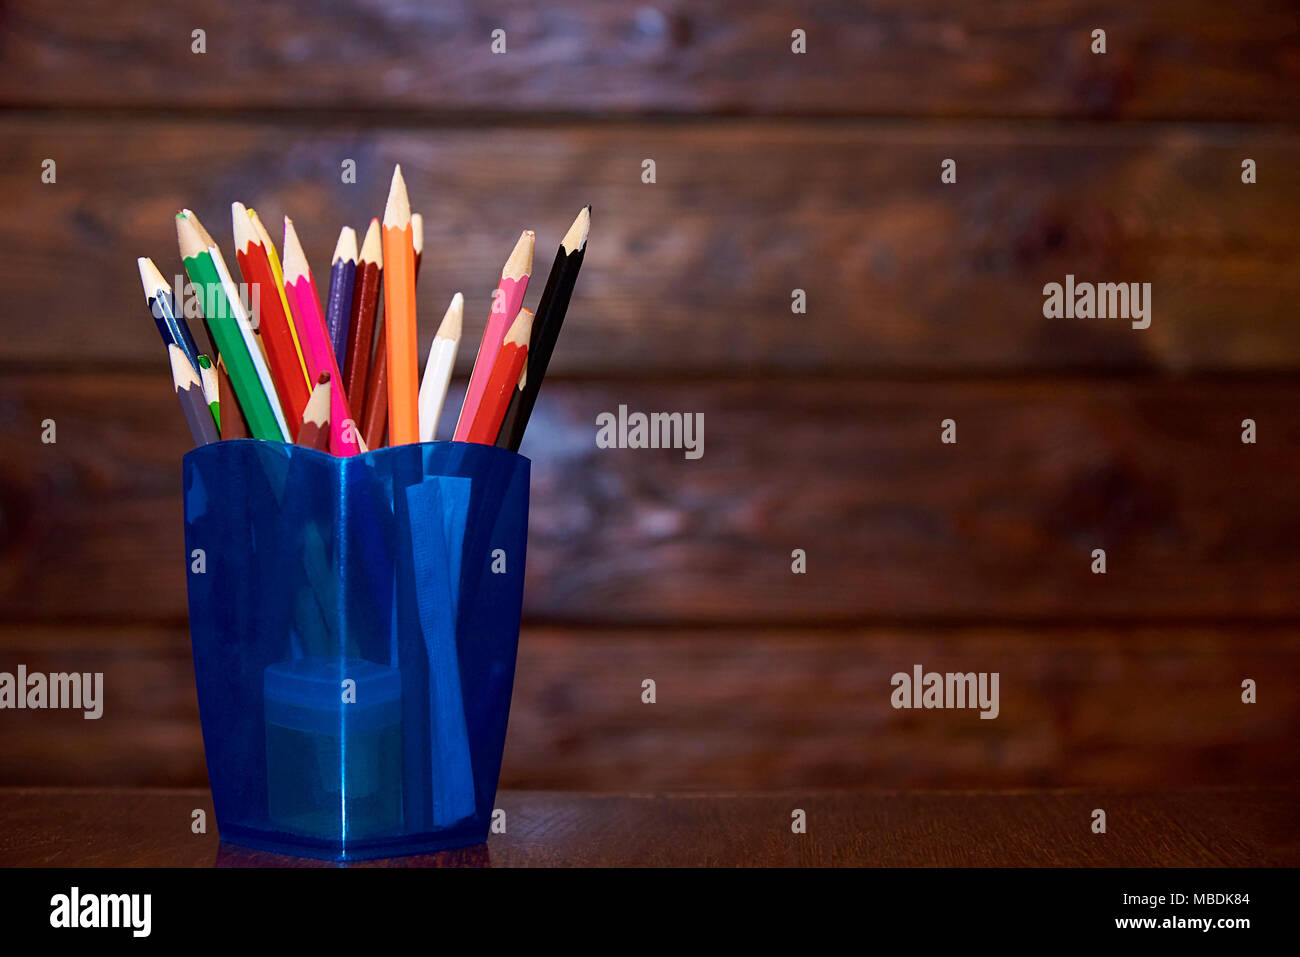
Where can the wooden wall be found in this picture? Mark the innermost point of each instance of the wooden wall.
(774, 172)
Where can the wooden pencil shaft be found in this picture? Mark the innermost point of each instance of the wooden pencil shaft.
(502, 381)
(400, 337)
(375, 419)
(338, 309)
(233, 423)
(361, 332)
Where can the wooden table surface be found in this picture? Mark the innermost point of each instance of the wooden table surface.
(1221, 827)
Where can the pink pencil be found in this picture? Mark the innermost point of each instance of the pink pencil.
(304, 303)
(506, 303)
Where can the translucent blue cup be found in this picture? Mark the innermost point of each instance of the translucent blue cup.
(354, 624)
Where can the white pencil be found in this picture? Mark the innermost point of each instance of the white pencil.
(437, 370)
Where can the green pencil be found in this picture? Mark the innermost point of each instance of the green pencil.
(208, 373)
(224, 328)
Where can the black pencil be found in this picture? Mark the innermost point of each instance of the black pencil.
(193, 403)
(546, 329)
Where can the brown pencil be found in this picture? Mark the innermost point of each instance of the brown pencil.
(361, 324)
(315, 430)
(233, 425)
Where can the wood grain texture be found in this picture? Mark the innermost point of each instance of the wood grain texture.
(1231, 827)
(896, 525)
(903, 274)
(1169, 58)
(1079, 706)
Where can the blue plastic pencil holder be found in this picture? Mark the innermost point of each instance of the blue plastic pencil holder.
(354, 624)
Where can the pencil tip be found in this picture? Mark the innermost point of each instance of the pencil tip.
(576, 237)
(397, 212)
(372, 249)
(294, 265)
(450, 327)
(345, 250)
(520, 262)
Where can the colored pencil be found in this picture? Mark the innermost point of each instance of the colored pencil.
(361, 323)
(211, 391)
(277, 273)
(233, 424)
(376, 414)
(273, 325)
(506, 303)
(304, 304)
(189, 390)
(400, 316)
(338, 304)
(233, 338)
(437, 370)
(507, 367)
(417, 240)
(315, 430)
(374, 420)
(546, 328)
(172, 327)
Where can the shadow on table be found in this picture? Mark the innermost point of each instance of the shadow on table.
(232, 855)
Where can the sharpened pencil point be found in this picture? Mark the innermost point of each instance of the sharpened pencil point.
(576, 237)
(245, 231)
(452, 320)
(295, 261)
(191, 243)
(520, 262)
(345, 250)
(151, 279)
(397, 213)
(372, 249)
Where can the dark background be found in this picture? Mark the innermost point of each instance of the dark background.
(775, 172)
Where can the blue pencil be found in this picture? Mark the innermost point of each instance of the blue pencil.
(338, 306)
(173, 328)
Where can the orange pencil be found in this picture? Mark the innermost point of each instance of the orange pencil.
(400, 317)
(501, 382)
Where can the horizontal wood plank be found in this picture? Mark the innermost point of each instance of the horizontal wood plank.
(895, 524)
(1079, 706)
(1168, 58)
(694, 274)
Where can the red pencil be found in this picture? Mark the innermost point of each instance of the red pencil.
(500, 386)
(272, 323)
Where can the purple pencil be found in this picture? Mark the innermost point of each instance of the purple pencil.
(338, 307)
